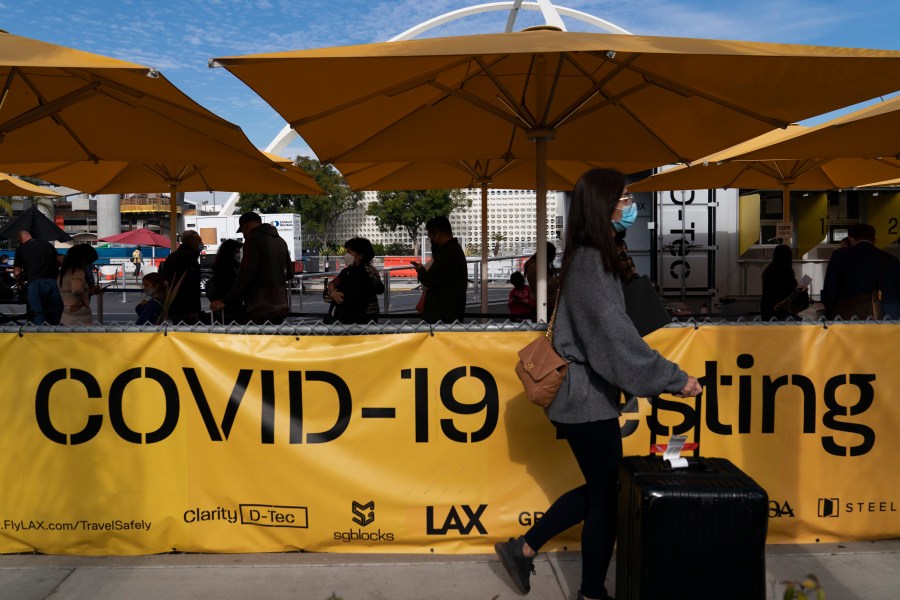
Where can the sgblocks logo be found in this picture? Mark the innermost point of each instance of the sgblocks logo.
(363, 515)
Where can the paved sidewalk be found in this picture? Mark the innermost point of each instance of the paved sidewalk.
(849, 571)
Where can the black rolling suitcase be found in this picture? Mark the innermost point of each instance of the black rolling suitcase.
(690, 533)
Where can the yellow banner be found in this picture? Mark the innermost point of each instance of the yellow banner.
(748, 225)
(141, 443)
(884, 216)
(812, 228)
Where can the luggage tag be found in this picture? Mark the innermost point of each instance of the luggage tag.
(669, 450)
(672, 454)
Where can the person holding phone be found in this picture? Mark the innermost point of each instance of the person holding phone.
(447, 278)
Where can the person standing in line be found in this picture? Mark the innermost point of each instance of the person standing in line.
(856, 271)
(352, 291)
(266, 268)
(374, 309)
(519, 302)
(447, 278)
(151, 305)
(74, 288)
(607, 356)
(225, 272)
(182, 269)
(630, 269)
(37, 264)
(778, 282)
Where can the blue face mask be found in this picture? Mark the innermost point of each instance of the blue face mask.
(629, 215)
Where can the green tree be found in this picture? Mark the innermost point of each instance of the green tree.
(395, 249)
(320, 213)
(266, 203)
(410, 209)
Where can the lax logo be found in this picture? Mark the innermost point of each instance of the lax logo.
(829, 507)
(360, 516)
(454, 521)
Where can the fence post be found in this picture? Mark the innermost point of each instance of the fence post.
(124, 283)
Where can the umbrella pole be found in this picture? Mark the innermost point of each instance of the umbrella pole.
(541, 224)
(484, 246)
(786, 210)
(540, 138)
(173, 219)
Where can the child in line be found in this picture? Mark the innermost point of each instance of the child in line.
(150, 307)
(520, 303)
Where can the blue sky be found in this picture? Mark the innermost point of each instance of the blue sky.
(179, 36)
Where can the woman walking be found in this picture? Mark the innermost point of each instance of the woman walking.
(607, 356)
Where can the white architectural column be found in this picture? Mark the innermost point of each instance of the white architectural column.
(109, 214)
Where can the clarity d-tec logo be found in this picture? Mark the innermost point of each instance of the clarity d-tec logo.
(363, 515)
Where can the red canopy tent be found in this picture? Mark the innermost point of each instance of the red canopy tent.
(139, 237)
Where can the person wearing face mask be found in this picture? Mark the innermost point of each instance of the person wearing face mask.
(225, 272)
(150, 306)
(350, 293)
(606, 357)
(262, 280)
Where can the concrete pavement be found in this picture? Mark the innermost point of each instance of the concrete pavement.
(847, 571)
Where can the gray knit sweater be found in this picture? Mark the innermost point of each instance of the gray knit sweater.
(605, 351)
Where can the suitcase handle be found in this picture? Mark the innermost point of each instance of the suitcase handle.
(697, 425)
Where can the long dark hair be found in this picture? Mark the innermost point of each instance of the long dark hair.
(782, 261)
(589, 225)
(782, 256)
(78, 257)
(225, 254)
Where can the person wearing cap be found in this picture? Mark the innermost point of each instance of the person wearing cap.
(266, 268)
(182, 269)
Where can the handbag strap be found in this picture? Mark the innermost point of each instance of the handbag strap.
(549, 333)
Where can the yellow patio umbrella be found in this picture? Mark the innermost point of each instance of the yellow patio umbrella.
(504, 173)
(871, 132)
(598, 97)
(67, 107)
(856, 149)
(888, 183)
(61, 104)
(732, 169)
(112, 177)
(13, 186)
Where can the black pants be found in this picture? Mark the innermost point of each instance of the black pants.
(597, 447)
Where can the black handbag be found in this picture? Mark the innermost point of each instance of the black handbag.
(797, 301)
(644, 306)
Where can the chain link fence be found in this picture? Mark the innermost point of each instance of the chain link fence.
(319, 328)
